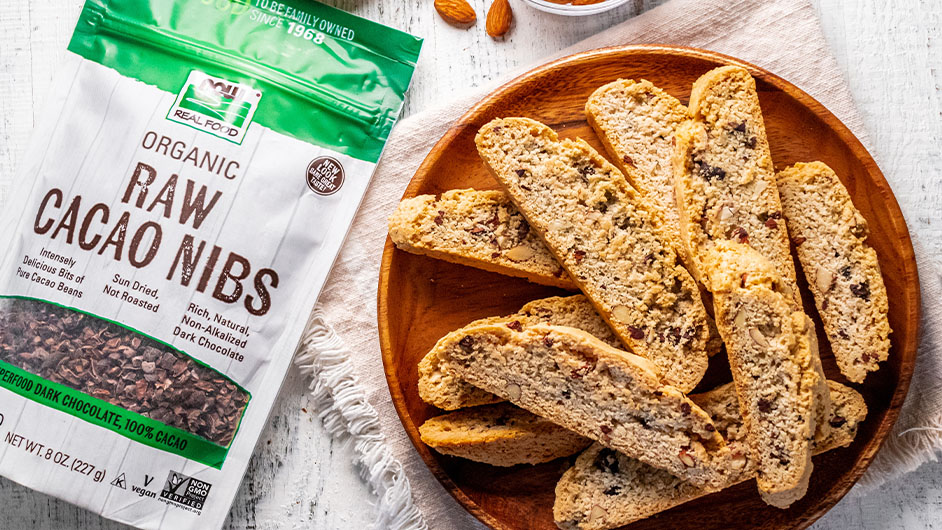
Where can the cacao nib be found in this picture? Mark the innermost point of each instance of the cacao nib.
(611, 491)
(606, 460)
(741, 127)
(587, 170)
(515, 325)
(799, 240)
(521, 172)
(628, 161)
(765, 405)
(751, 142)
(477, 230)
(121, 367)
(674, 336)
(861, 290)
(466, 344)
(523, 230)
(771, 223)
(606, 429)
(439, 219)
(578, 255)
(708, 172)
(685, 409)
(845, 271)
(636, 333)
(710, 428)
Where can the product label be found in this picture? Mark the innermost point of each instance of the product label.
(179, 208)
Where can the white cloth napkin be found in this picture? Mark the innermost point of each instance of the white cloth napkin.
(342, 353)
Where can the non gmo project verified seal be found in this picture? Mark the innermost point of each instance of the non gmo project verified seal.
(185, 491)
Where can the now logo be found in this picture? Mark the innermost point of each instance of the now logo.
(216, 106)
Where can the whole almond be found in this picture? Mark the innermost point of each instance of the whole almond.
(499, 17)
(456, 12)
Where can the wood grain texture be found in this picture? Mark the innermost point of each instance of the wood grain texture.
(890, 53)
(444, 296)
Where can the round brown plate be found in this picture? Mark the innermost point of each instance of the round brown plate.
(421, 299)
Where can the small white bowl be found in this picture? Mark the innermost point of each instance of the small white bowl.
(575, 11)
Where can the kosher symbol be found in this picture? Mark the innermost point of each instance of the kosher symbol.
(120, 482)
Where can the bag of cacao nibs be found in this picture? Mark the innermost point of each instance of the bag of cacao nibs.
(194, 173)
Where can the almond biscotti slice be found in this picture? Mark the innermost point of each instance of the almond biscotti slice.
(605, 489)
(732, 264)
(726, 189)
(481, 229)
(776, 381)
(605, 235)
(439, 386)
(636, 122)
(842, 270)
(577, 381)
(723, 174)
(500, 435)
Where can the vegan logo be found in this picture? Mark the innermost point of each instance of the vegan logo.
(185, 490)
(216, 106)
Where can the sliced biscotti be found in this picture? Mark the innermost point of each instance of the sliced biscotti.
(731, 265)
(605, 235)
(439, 386)
(776, 382)
(605, 489)
(481, 229)
(636, 122)
(500, 435)
(724, 176)
(577, 381)
(842, 270)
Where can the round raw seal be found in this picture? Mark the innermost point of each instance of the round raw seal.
(324, 175)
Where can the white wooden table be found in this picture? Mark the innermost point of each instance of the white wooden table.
(891, 53)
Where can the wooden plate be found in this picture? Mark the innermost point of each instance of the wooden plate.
(421, 299)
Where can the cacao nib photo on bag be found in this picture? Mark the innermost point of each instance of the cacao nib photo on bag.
(189, 182)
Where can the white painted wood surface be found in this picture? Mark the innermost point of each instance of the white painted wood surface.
(890, 52)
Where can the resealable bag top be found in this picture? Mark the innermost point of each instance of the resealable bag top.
(195, 170)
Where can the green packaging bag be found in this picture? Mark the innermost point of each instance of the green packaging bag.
(192, 178)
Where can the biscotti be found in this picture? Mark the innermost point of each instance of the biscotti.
(771, 362)
(439, 386)
(481, 229)
(732, 265)
(577, 381)
(726, 188)
(724, 178)
(604, 234)
(636, 122)
(842, 270)
(500, 435)
(605, 489)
